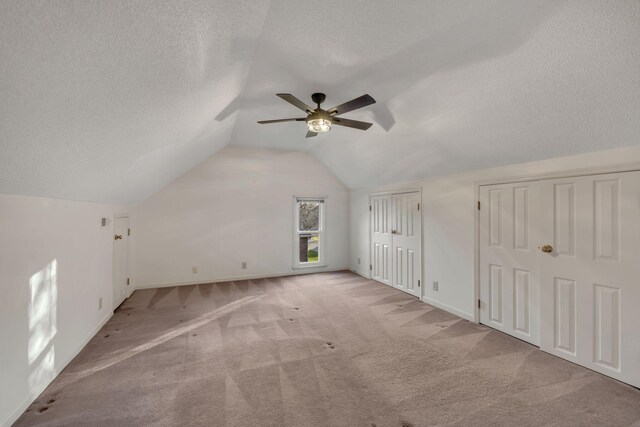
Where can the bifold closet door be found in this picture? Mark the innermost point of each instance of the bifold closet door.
(380, 220)
(406, 242)
(590, 272)
(509, 265)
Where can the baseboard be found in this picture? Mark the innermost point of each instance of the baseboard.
(426, 300)
(448, 308)
(242, 277)
(33, 394)
(359, 273)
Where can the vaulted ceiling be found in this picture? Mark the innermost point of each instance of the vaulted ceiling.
(110, 101)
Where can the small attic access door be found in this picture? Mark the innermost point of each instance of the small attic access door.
(396, 241)
(121, 282)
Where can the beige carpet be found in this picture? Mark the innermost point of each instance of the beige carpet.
(316, 350)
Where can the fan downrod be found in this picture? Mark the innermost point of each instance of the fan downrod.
(318, 98)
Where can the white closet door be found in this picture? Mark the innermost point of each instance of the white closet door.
(406, 242)
(509, 265)
(381, 238)
(590, 279)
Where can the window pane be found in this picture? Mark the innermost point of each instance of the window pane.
(309, 216)
(309, 247)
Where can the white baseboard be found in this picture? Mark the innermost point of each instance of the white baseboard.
(426, 300)
(59, 366)
(448, 308)
(359, 273)
(242, 277)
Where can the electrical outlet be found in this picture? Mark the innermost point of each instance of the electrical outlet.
(435, 285)
(194, 269)
(99, 303)
(244, 265)
(358, 261)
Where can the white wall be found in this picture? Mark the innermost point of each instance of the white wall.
(236, 206)
(55, 263)
(449, 211)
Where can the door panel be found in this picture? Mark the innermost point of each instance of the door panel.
(412, 280)
(607, 327)
(607, 219)
(406, 241)
(521, 218)
(495, 217)
(495, 294)
(564, 219)
(521, 307)
(564, 315)
(398, 267)
(509, 278)
(590, 279)
(381, 238)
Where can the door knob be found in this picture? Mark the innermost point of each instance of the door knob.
(547, 249)
(393, 231)
(118, 236)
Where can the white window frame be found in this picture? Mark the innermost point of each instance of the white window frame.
(322, 233)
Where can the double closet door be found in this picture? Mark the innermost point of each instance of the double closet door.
(396, 240)
(560, 268)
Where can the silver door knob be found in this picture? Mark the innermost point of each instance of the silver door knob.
(117, 236)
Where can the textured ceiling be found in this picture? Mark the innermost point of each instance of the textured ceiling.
(110, 101)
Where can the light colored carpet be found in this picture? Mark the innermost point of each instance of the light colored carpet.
(316, 350)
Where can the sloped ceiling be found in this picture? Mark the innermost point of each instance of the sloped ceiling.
(110, 101)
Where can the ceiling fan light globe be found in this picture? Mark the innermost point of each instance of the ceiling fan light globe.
(319, 125)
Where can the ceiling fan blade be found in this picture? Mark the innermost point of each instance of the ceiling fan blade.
(354, 104)
(295, 101)
(311, 134)
(356, 124)
(265, 122)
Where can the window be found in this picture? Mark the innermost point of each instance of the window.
(308, 245)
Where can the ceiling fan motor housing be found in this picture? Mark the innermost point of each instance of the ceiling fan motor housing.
(318, 98)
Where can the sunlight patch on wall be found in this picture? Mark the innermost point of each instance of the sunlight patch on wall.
(42, 313)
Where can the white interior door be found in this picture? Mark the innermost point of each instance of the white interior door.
(590, 278)
(406, 242)
(120, 260)
(509, 261)
(380, 213)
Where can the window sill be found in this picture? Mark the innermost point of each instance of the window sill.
(314, 265)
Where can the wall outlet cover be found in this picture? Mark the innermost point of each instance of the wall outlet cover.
(194, 269)
(244, 265)
(435, 285)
